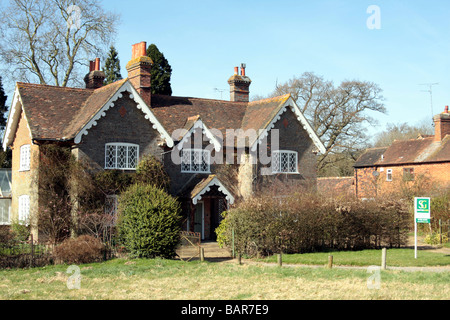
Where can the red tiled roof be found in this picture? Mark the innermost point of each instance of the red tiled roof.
(58, 113)
(421, 150)
(49, 109)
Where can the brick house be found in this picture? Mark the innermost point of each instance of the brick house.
(211, 149)
(424, 160)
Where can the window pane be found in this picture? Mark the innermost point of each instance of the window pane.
(195, 161)
(24, 209)
(185, 161)
(110, 157)
(284, 161)
(121, 157)
(132, 157)
(292, 162)
(276, 162)
(25, 157)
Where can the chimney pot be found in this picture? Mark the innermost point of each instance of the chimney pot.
(446, 109)
(139, 50)
(97, 64)
(95, 78)
(236, 70)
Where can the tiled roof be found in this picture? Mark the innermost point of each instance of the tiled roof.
(421, 150)
(178, 112)
(370, 157)
(57, 113)
(49, 109)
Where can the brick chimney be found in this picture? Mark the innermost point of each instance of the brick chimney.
(139, 69)
(95, 78)
(239, 85)
(442, 125)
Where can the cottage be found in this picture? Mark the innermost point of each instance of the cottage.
(216, 152)
(424, 160)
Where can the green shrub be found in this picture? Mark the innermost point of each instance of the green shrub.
(151, 171)
(149, 222)
(435, 238)
(80, 250)
(308, 223)
(20, 231)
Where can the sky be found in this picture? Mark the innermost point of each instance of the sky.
(204, 40)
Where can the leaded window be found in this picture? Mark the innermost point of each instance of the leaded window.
(195, 160)
(284, 161)
(24, 210)
(25, 157)
(123, 156)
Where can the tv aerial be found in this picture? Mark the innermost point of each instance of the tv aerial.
(430, 91)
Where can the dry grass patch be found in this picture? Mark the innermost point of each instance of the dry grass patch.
(173, 280)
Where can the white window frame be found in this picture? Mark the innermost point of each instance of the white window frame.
(127, 165)
(6, 222)
(24, 210)
(25, 157)
(277, 163)
(389, 175)
(189, 165)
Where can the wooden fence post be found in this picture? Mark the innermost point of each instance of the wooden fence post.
(440, 231)
(202, 254)
(383, 258)
(330, 262)
(280, 260)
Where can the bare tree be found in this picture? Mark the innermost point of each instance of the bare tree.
(337, 114)
(46, 41)
(402, 131)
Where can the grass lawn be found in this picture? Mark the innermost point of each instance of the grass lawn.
(395, 258)
(158, 279)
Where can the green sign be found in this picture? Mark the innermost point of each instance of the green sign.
(422, 210)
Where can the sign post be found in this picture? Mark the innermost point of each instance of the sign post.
(422, 214)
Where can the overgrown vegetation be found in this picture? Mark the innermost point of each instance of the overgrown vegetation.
(309, 223)
(80, 250)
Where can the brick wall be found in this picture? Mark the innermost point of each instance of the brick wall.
(122, 123)
(294, 138)
(24, 182)
(336, 186)
(426, 177)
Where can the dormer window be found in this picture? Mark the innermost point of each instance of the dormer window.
(195, 160)
(122, 156)
(284, 161)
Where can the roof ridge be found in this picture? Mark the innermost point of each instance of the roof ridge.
(196, 98)
(51, 86)
(281, 97)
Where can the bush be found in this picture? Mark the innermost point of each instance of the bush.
(80, 250)
(151, 171)
(309, 223)
(149, 222)
(434, 239)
